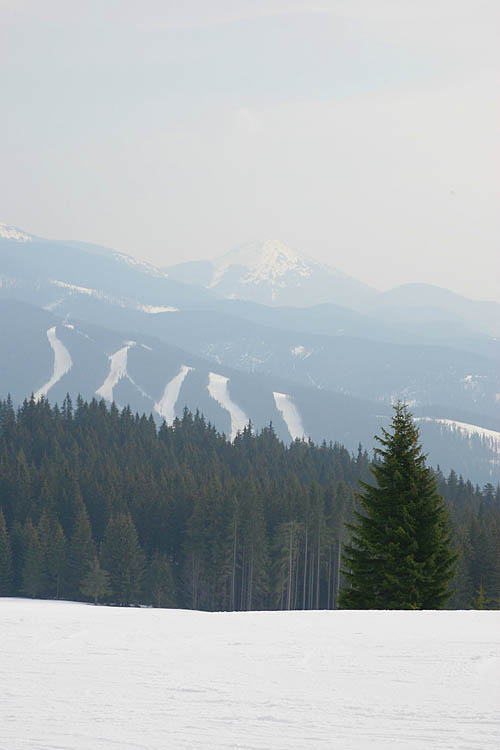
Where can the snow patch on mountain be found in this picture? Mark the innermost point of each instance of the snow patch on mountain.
(75, 288)
(141, 265)
(267, 262)
(218, 389)
(121, 302)
(62, 363)
(155, 309)
(474, 382)
(117, 371)
(12, 233)
(53, 305)
(290, 414)
(467, 429)
(165, 407)
(300, 351)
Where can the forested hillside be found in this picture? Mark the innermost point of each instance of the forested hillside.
(98, 503)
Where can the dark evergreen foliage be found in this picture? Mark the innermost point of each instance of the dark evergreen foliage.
(95, 583)
(5, 559)
(399, 556)
(181, 517)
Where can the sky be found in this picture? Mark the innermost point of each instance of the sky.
(364, 133)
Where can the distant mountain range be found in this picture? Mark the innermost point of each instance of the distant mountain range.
(270, 273)
(83, 319)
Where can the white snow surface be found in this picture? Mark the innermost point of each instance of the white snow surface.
(267, 261)
(62, 363)
(141, 265)
(155, 309)
(75, 288)
(165, 407)
(117, 371)
(218, 389)
(290, 414)
(12, 233)
(79, 677)
(467, 429)
(300, 351)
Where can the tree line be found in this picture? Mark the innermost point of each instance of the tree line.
(99, 504)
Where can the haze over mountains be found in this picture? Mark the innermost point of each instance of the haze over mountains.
(263, 333)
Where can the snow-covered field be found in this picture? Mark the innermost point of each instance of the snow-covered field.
(78, 676)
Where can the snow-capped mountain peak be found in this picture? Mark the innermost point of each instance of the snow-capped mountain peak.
(270, 272)
(12, 233)
(268, 261)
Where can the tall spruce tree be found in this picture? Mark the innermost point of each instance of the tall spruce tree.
(81, 553)
(399, 556)
(34, 570)
(96, 583)
(160, 581)
(123, 558)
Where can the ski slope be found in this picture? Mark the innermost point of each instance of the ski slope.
(62, 363)
(290, 414)
(218, 388)
(165, 407)
(466, 429)
(117, 371)
(79, 677)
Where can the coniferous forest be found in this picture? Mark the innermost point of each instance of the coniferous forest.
(98, 504)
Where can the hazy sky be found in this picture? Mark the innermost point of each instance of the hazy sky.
(363, 132)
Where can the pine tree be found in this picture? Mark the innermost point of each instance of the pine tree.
(480, 601)
(399, 555)
(34, 571)
(123, 558)
(56, 560)
(95, 583)
(161, 582)
(5, 559)
(81, 553)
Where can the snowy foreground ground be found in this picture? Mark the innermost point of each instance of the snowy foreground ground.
(77, 676)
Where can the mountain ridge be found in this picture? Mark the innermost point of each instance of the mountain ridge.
(328, 371)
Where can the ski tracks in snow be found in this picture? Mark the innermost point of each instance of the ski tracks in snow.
(62, 363)
(165, 407)
(218, 389)
(290, 414)
(117, 371)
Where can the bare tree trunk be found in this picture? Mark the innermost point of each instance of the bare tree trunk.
(296, 586)
(243, 582)
(329, 576)
(305, 571)
(250, 583)
(233, 581)
(194, 581)
(338, 573)
(318, 568)
(311, 581)
(289, 592)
